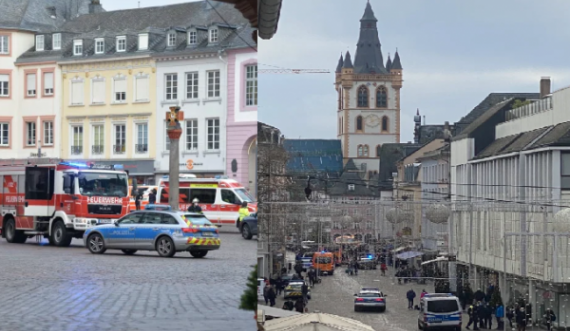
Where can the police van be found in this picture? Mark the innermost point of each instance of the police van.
(439, 311)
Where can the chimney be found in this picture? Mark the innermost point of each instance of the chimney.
(544, 87)
(95, 7)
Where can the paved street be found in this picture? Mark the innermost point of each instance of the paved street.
(48, 288)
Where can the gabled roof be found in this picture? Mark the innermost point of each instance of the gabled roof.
(491, 100)
(350, 176)
(314, 155)
(40, 15)
(559, 135)
(389, 156)
(501, 106)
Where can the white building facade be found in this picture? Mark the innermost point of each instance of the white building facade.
(198, 85)
(510, 199)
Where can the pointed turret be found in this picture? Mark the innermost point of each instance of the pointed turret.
(368, 57)
(389, 63)
(340, 63)
(397, 64)
(347, 61)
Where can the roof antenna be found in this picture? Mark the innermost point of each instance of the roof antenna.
(139, 4)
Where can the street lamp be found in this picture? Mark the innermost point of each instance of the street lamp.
(438, 213)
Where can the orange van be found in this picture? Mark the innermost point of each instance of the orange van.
(324, 262)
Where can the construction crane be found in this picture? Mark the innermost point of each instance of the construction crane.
(294, 71)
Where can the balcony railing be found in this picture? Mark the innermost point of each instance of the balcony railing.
(141, 148)
(97, 149)
(536, 107)
(76, 150)
(119, 149)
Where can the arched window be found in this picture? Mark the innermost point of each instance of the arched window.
(358, 123)
(378, 148)
(381, 97)
(363, 96)
(360, 150)
(366, 152)
(384, 123)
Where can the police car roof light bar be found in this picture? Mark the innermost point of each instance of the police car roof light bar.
(158, 207)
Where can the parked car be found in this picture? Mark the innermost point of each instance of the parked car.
(370, 298)
(248, 226)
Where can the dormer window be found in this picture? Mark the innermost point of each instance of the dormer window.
(121, 44)
(99, 46)
(78, 47)
(351, 187)
(171, 39)
(143, 41)
(40, 43)
(56, 41)
(192, 38)
(214, 35)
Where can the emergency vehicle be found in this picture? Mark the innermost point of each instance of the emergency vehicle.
(59, 200)
(145, 191)
(220, 198)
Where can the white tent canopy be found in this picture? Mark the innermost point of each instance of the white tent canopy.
(267, 311)
(316, 322)
(437, 259)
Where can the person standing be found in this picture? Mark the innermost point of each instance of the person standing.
(521, 319)
(271, 295)
(383, 268)
(195, 208)
(411, 295)
(305, 292)
(311, 275)
(471, 314)
(138, 198)
(152, 197)
(488, 316)
(243, 213)
(549, 318)
(424, 292)
(300, 306)
(510, 316)
(266, 294)
(499, 314)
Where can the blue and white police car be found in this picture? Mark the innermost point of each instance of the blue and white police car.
(439, 311)
(155, 228)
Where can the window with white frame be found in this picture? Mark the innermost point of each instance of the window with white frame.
(48, 83)
(167, 142)
(251, 85)
(213, 84)
(98, 139)
(56, 41)
(4, 44)
(40, 40)
(121, 44)
(171, 86)
(98, 90)
(99, 46)
(213, 125)
(192, 38)
(120, 89)
(4, 85)
(30, 133)
(31, 85)
(192, 134)
(142, 138)
(565, 171)
(120, 138)
(77, 91)
(171, 39)
(78, 47)
(4, 134)
(48, 133)
(77, 140)
(143, 41)
(142, 88)
(214, 35)
(192, 85)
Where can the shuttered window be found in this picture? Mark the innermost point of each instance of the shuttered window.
(98, 90)
(48, 83)
(142, 88)
(31, 85)
(77, 92)
(120, 93)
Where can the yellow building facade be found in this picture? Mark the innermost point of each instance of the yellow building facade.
(108, 113)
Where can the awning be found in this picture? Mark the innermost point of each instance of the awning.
(399, 249)
(438, 259)
(409, 255)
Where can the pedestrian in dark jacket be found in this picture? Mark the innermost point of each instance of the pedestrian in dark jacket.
(488, 323)
(266, 294)
(549, 317)
(479, 296)
(152, 197)
(411, 295)
(520, 318)
(305, 292)
(271, 295)
(510, 316)
(300, 306)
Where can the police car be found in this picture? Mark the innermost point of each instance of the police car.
(156, 228)
(439, 311)
(370, 298)
(294, 290)
(367, 262)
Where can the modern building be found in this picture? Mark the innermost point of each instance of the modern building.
(508, 177)
(368, 112)
(30, 86)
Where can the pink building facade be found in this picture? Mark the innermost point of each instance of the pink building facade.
(241, 130)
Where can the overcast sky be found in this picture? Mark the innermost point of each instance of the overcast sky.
(454, 54)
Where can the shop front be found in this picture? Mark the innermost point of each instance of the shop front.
(141, 170)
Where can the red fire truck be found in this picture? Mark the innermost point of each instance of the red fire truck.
(59, 200)
(220, 197)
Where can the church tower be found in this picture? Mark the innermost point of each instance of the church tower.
(368, 98)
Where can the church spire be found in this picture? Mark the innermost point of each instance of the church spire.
(347, 61)
(368, 57)
(389, 63)
(340, 63)
(397, 64)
